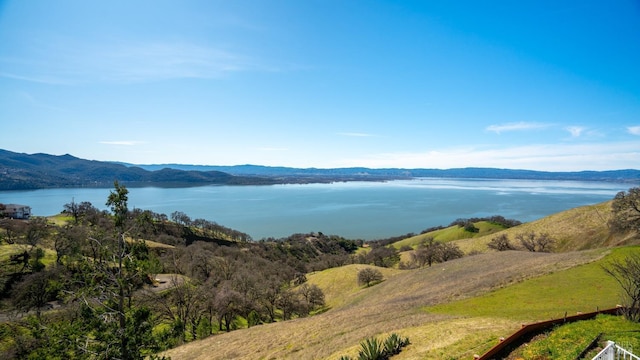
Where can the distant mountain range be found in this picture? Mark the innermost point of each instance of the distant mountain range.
(628, 175)
(36, 171)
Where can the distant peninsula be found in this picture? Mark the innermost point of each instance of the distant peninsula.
(19, 171)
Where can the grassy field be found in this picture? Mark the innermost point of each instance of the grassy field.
(398, 305)
(451, 233)
(581, 288)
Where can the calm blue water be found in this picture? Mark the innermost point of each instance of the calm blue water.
(357, 210)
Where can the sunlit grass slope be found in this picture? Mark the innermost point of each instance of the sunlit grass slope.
(582, 288)
(340, 285)
(7, 250)
(451, 233)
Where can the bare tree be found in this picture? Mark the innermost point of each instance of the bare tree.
(227, 305)
(312, 297)
(627, 273)
(68, 241)
(180, 218)
(13, 230)
(369, 276)
(527, 240)
(428, 252)
(73, 209)
(183, 304)
(536, 243)
(501, 243)
(545, 242)
(37, 229)
(450, 251)
(626, 210)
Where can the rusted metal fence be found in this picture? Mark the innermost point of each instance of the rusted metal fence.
(527, 331)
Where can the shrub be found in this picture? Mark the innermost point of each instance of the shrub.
(371, 349)
(394, 344)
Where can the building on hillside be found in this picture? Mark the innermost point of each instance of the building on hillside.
(17, 211)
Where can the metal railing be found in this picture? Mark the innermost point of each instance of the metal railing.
(615, 352)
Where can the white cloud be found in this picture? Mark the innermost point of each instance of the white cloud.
(64, 62)
(575, 131)
(515, 126)
(545, 157)
(634, 130)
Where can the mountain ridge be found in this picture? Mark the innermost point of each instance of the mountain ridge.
(20, 171)
(622, 175)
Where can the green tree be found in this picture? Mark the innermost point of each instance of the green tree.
(35, 291)
(118, 202)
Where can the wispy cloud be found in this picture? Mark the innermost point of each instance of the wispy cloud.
(122, 142)
(546, 157)
(516, 126)
(67, 63)
(575, 131)
(634, 130)
(356, 134)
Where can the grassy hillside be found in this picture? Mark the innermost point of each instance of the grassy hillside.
(581, 228)
(451, 233)
(585, 287)
(397, 305)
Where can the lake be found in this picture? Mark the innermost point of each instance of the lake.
(355, 210)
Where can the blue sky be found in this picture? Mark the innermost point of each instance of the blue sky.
(543, 85)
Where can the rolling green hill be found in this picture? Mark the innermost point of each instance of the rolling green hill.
(451, 233)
